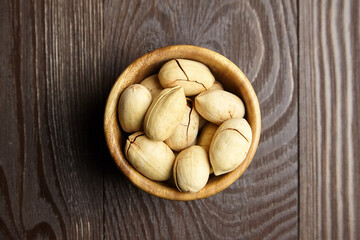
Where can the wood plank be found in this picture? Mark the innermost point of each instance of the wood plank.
(329, 119)
(51, 179)
(261, 38)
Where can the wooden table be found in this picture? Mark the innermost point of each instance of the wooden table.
(59, 60)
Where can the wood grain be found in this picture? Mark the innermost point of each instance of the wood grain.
(329, 120)
(51, 179)
(59, 60)
(261, 38)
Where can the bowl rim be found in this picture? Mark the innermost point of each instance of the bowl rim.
(112, 128)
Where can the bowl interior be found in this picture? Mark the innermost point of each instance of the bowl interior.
(226, 72)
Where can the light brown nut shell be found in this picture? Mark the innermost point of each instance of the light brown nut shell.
(206, 135)
(217, 106)
(153, 85)
(153, 159)
(133, 104)
(193, 76)
(165, 113)
(230, 145)
(191, 169)
(186, 131)
(216, 86)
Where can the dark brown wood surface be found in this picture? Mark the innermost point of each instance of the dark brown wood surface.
(52, 96)
(59, 60)
(329, 120)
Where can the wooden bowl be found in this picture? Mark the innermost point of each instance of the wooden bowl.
(226, 72)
